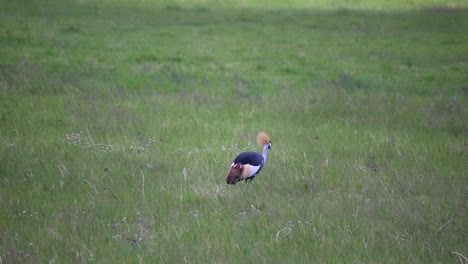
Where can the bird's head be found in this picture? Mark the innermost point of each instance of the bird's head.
(234, 175)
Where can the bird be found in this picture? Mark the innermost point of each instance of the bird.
(247, 165)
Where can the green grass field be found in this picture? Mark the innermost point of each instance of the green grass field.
(119, 120)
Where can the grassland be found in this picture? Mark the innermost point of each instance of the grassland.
(119, 120)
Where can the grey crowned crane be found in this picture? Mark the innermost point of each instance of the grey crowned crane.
(247, 165)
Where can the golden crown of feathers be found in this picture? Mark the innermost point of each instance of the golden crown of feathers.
(263, 138)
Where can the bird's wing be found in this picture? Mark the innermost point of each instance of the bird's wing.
(246, 172)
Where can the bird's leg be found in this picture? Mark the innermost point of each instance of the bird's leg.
(248, 182)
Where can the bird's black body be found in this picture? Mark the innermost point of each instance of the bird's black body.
(252, 158)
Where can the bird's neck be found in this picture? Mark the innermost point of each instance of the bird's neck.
(265, 153)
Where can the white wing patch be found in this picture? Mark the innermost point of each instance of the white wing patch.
(249, 170)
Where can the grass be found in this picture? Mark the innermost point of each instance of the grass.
(120, 119)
